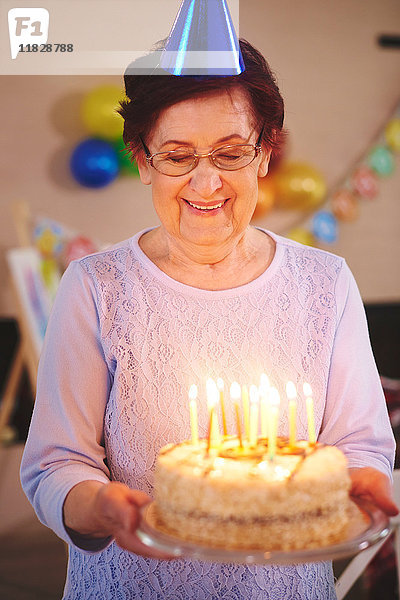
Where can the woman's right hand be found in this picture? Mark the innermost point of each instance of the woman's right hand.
(96, 510)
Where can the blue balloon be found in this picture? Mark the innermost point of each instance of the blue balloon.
(94, 163)
(324, 227)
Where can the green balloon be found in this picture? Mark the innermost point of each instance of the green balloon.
(126, 165)
(381, 161)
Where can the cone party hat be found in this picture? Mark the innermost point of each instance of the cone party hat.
(202, 41)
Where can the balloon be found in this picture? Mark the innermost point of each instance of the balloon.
(99, 114)
(324, 227)
(381, 161)
(365, 182)
(303, 236)
(266, 197)
(392, 134)
(126, 164)
(299, 186)
(345, 205)
(94, 163)
(78, 247)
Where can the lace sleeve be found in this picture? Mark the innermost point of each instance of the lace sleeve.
(65, 441)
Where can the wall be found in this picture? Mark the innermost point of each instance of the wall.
(340, 89)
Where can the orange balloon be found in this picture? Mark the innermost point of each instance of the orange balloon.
(299, 186)
(266, 196)
(345, 205)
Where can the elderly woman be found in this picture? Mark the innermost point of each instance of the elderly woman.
(203, 294)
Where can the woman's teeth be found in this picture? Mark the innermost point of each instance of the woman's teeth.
(208, 207)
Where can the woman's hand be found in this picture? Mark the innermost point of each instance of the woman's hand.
(375, 486)
(97, 510)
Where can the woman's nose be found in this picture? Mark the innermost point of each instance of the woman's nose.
(205, 178)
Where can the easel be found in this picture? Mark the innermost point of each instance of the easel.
(26, 354)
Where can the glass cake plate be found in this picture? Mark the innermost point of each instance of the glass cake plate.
(368, 525)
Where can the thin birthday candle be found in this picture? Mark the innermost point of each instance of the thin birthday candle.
(220, 386)
(245, 405)
(291, 393)
(273, 421)
(254, 404)
(312, 439)
(264, 387)
(193, 414)
(235, 396)
(214, 440)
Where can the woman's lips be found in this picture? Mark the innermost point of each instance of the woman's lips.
(206, 208)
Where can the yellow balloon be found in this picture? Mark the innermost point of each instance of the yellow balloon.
(99, 114)
(298, 234)
(392, 134)
(266, 197)
(299, 186)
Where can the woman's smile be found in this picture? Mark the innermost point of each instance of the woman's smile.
(209, 208)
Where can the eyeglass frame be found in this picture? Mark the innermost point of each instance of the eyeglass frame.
(257, 147)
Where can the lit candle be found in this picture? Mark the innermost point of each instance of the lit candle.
(220, 386)
(235, 396)
(291, 393)
(310, 414)
(254, 403)
(273, 421)
(264, 387)
(245, 405)
(193, 414)
(214, 440)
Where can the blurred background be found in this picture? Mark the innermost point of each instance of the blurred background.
(335, 185)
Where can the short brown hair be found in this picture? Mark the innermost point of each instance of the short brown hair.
(149, 95)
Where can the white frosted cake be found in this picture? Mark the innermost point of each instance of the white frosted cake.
(239, 498)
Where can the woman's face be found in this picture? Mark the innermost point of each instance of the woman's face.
(183, 203)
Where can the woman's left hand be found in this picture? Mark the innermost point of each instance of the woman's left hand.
(375, 486)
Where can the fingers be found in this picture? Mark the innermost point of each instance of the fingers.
(375, 486)
(122, 507)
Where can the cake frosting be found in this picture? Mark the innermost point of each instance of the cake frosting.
(237, 497)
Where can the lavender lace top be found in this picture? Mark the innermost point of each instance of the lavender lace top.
(124, 343)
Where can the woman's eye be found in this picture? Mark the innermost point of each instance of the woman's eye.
(178, 159)
(230, 156)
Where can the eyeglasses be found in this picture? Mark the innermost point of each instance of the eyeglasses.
(181, 162)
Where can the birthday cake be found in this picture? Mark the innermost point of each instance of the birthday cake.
(237, 497)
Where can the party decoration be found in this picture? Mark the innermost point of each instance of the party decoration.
(381, 161)
(302, 235)
(47, 237)
(94, 163)
(202, 41)
(99, 112)
(299, 186)
(365, 182)
(78, 247)
(392, 134)
(325, 227)
(344, 200)
(266, 196)
(345, 205)
(127, 165)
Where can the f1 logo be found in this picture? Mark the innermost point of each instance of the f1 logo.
(27, 25)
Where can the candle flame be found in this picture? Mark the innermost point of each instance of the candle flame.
(212, 393)
(291, 391)
(274, 397)
(193, 392)
(220, 384)
(264, 383)
(235, 391)
(307, 389)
